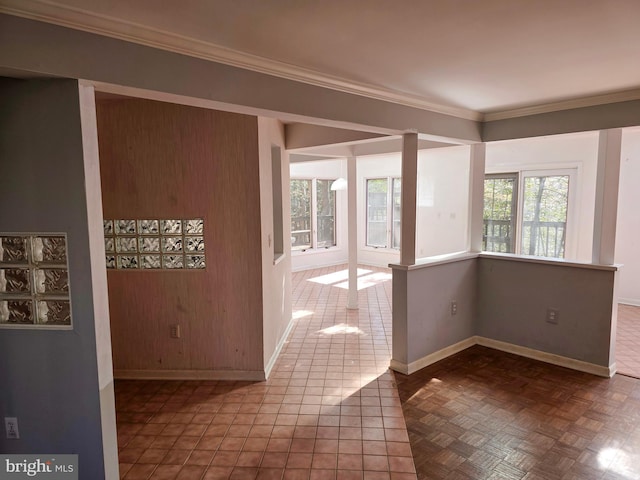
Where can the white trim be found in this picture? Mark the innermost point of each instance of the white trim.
(432, 358)
(634, 302)
(554, 359)
(240, 375)
(591, 101)
(278, 257)
(272, 361)
(557, 262)
(88, 21)
(573, 364)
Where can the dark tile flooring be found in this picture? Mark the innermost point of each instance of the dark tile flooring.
(485, 414)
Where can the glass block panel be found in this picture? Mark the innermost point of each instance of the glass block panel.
(109, 245)
(110, 261)
(149, 244)
(13, 250)
(171, 227)
(194, 227)
(54, 312)
(108, 227)
(148, 227)
(194, 244)
(125, 227)
(15, 280)
(127, 261)
(172, 261)
(16, 311)
(195, 261)
(50, 249)
(52, 280)
(172, 244)
(126, 244)
(150, 261)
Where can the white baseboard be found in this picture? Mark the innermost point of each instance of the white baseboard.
(432, 357)
(272, 361)
(551, 358)
(630, 301)
(240, 375)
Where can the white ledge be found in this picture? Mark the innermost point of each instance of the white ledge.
(278, 258)
(558, 262)
(436, 260)
(462, 256)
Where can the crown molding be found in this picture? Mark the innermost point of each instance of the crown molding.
(592, 101)
(85, 20)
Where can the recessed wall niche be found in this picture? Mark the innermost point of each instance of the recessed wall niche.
(154, 244)
(34, 280)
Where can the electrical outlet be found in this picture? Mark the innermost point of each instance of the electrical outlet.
(552, 315)
(11, 426)
(174, 331)
(454, 307)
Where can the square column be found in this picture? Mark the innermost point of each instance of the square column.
(606, 208)
(408, 199)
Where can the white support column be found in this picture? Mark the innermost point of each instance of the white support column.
(408, 200)
(476, 196)
(352, 231)
(606, 208)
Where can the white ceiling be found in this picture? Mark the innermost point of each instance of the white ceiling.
(476, 55)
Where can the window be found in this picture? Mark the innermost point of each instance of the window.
(383, 212)
(313, 214)
(500, 207)
(527, 212)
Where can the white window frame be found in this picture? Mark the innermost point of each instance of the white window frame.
(571, 238)
(314, 218)
(389, 229)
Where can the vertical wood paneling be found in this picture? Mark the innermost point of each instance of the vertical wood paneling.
(161, 160)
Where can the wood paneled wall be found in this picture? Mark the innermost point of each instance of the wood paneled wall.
(160, 160)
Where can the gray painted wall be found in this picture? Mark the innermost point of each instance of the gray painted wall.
(514, 297)
(48, 378)
(506, 300)
(429, 293)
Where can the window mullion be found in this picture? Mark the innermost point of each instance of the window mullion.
(314, 213)
(389, 212)
(520, 212)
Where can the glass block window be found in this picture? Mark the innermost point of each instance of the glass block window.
(34, 280)
(154, 244)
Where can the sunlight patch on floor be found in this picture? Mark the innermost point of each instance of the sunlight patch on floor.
(335, 277)
(301, 314)
(341, 328)
(619, 462)
(367, 281)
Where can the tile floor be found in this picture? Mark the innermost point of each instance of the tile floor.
(330, 409)
(628, 340)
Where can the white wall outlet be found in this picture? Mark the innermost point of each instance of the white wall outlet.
(174, 330)
(454, 308)
(552, 315)
(11, 426)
